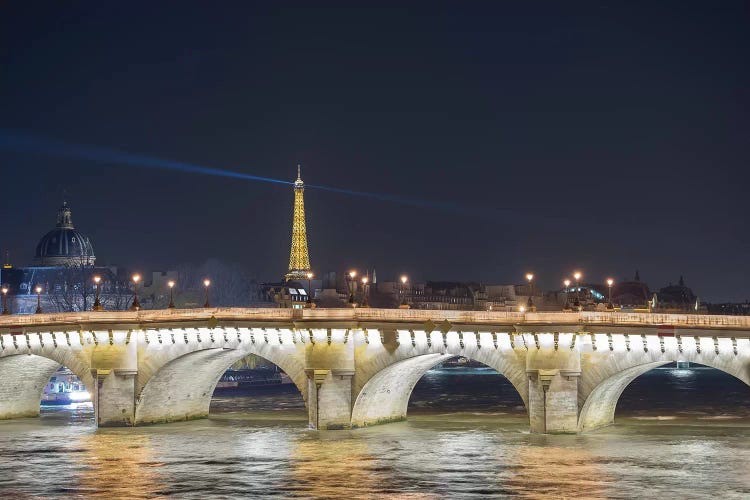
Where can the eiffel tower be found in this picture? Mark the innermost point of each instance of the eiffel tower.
(299, 259)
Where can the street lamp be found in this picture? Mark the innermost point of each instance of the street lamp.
(5, 300)
(610, 282)
(530, 302)
(309, 289)
(403, 304)
(350, 281)
(97, 305)
(38, 290)
(365, 289)
(567, 287)
(135, 306)
(170, 284)
(206, 283)
(521, 309)
(577, 304)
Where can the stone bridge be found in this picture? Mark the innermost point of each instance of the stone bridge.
(355, 367)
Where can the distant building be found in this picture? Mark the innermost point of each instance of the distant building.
(64, 270)
(299, 258)
(296, 290)
(678, 298)
(732, 308)
(633, 294)
(64, 245)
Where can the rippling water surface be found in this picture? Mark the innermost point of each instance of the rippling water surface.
(679, 434)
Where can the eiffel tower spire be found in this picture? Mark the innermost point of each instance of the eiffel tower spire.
(299, 260)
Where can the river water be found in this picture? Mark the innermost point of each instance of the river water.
(679, 434)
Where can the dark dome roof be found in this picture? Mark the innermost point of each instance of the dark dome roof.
(631, 293)
(64, 244)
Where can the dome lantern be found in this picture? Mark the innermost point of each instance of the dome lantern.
(64, 245)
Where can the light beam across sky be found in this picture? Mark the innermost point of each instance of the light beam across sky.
(26, 144)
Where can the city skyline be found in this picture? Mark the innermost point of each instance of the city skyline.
(564, 147)
(325, 249)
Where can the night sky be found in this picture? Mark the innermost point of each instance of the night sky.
(605, 136)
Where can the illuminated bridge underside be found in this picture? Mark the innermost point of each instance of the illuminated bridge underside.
(355, 367)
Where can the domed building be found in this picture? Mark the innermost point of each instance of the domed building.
(677, 297)
(64, 245)
(63, 269)
(631, 294)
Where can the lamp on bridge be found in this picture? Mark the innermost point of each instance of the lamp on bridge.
(206, 283)
(365, 289)
(610, 282)
(5, 299)
(309, 303)
(38, 290)
(350, 281)
(577, 304)
(135, 306)
(567, 288)
(530, 303)
(403, 304)
(97, 305)
(170, 284)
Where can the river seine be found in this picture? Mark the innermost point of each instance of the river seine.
(679, 434)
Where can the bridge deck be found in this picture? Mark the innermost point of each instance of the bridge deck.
(585, 321)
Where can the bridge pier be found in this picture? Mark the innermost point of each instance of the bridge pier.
(331, 399)
(553, 370)
(114, 367)
(329, 366)
(553, 401)
(114, 397)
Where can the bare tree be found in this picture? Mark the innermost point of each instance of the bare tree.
(231, 285)
(116, 295)
(72, 287)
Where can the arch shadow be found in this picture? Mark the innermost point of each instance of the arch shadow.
(599, 408)
(23, 378)
(182, 388)
(385, 396)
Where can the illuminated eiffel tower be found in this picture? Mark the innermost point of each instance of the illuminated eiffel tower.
(299, 259)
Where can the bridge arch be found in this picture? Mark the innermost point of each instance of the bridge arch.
(182, 388)
(385, 396)
(598, 409)
(24, 376)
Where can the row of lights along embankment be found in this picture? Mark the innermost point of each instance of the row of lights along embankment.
(351, 281)
(135, 306)
(5, 291)
(577, 275)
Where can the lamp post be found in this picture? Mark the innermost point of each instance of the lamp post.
(135, 306)
(206, 283)
(350, 281)
(5, 300)
(567, 303)
(97, 305)
(610, 282)
(309, 303)
(577, 304)
(170, 284)
(403, 304)
(530, 302)
(365, 288)
(38, 290)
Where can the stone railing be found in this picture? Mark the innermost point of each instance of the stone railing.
(371, 315)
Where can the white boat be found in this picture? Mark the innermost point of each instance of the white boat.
(64, 388)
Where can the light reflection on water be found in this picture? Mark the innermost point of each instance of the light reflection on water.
(466, 437)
